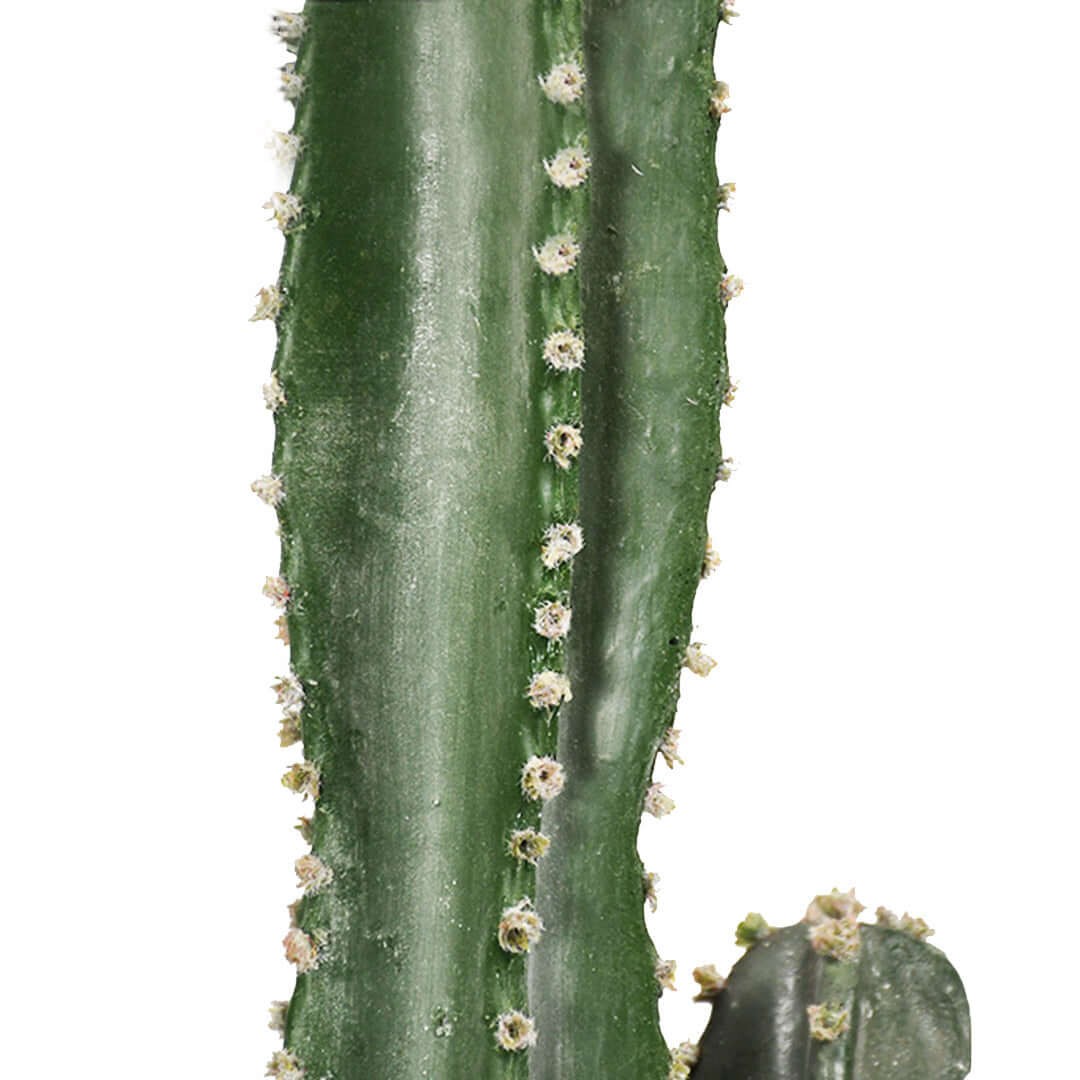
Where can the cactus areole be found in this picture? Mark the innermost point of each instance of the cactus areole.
(497, 386)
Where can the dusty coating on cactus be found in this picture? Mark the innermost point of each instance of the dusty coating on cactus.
(514, 1031)
(665, 974)
(284, 1065)
(907, 924)
(542, 778)
(561, 543)
(312, 874)
(697, 660)
(564, 351)
(269, 488)
(301, 950)
(828, 1021)
(710, 982)
(528, 845)
(285, 210)
(751, 930)
(563, 442)
(657, 803)
(669, 748)
(569, 168)
(303, 778)
(276, 590)
(285, 146)
(552, 620)
(548, 690)
(520, 927)
(564, 83)
(267, 304)
(558, 254)
(273, 394)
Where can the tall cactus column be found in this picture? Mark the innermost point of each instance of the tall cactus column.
(656, 377)
(426, 517)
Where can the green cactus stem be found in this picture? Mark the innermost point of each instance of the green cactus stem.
(832, 999)
(500, 269)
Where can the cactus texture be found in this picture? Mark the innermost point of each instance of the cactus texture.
(501, 289)
(832, 999)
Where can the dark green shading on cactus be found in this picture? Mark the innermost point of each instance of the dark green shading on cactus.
(895, 1011)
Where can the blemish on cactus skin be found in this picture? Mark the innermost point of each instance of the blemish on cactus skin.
(697, 660)
(564, 83)
(270, 488)
(657, 803)
(303, 778)
(665, 974)
(710, 982)
(282, 624)
(730, 287)
(552, 620)
(284, 1065)
(724, 194)
(669, 748)
(751, 930)
(301, 950)
(520, 927)
(569, 168)
(649, 882)
(563, 442)
(286, 146)
(288, 26)
(288, 690)
(267, 304)
(828, 1022)
(561, 543)
(515, 1031)
(718, 100)
(548, 690)
(278, 1012)
(528, 845)
(273, 394)
(558, 254)
(285, 209)
(276, 589)
(683, 1058)
(542, 778)
(312, 874)
(292, 85)
(916, 928)
(564, 351)
(711, 563)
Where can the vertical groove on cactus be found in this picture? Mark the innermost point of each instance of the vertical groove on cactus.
(655, 379)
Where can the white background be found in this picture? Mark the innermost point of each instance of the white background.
(895, 618)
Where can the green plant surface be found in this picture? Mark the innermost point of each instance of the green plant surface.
(890, 1007)
(480, 202)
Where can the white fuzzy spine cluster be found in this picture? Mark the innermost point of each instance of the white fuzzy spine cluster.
(273, 394)
(569, 168)
(270, 488)
(564, 351)
(514, 1031)
(697, 660)
(657, 803)
(564, 83)
(285, 209)
(520, 928)
(562, 542)
(548, 690)
(267, 304)
(542, 778)
(558, 254)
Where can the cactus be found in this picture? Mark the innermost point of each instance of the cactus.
(830, 998)
(500, 287)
